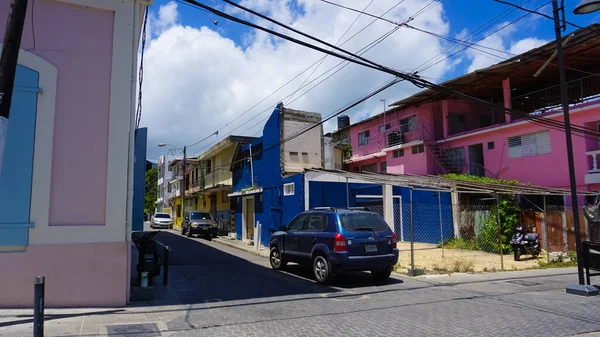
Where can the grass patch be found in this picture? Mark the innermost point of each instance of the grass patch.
(456, 243)
(459, 266)
(557, 264)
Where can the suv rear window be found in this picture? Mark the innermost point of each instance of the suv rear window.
(363, 222)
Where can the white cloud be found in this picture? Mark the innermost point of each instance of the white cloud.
(196, 79)
(500, 41)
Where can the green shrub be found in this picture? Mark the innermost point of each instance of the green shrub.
(491, 236)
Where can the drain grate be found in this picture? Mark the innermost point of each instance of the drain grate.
(524, 283)
(144, 329)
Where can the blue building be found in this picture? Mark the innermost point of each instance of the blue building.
(285, 178)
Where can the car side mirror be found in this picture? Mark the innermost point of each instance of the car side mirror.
(187, 217)
(283, 228)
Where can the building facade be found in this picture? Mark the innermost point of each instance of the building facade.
(433, 132)
(68, 165)
(165, 175)
(290, 144)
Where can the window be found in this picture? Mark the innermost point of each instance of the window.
(162, 216)
(305, 157)
(383, 167)
(369, 168)
(490, 145)
(387, 127)
(170, 168)
(358, 222)
(224, 197)
(408, 124)
(294, 157)
(529, 145)
(297, 223)
(363, 138)
(288, 189)
(316, 223)
(169, 188)
(418, 149)
(398, 153)
(455, 157)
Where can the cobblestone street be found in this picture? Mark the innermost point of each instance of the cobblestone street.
(216, 290)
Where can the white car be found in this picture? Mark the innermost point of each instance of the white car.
(161, 220)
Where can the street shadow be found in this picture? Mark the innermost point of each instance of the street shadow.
(200, 273)
(345, 280)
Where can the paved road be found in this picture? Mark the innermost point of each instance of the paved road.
(221, 291)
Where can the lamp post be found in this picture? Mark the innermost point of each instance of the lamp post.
(585, 6)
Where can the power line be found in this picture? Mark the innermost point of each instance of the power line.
(536, 12)
(337, 43)
(417, 81)
(295, 77)
(361, 51)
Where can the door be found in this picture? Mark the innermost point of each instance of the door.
(249, 217)
(291, 246)
(476, 164)
(312, 234)
(213, 206)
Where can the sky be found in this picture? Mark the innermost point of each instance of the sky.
(203, 74)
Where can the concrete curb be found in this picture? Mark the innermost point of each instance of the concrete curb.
(237, 245)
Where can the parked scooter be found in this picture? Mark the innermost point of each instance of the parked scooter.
(525, 242)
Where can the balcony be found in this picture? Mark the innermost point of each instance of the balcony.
(177, 176)
(216, 178)
(593, 175)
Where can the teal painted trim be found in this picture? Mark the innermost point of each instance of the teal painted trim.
(14, 236)
(17, 225)
(28, 89)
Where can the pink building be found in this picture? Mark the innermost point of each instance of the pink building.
(66, 182)
(433, 132)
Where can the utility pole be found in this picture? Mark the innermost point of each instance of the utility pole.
(564, 98)
(183, 180)
(251, 167)
(8, 64)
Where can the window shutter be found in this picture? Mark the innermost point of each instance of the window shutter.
(514, 147)
(543, 142)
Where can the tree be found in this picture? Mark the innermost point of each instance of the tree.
(151, 191)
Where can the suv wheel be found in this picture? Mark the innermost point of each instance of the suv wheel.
(382, 274)
(276, 259)
(321, 269)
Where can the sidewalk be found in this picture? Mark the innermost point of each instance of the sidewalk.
(228, 241)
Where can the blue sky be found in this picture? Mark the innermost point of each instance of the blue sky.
(200, 77)
(462, 14)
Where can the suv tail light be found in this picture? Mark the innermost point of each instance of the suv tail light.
(339, 243)
(394, 240)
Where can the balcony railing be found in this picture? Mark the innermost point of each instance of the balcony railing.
(216, 178)
(593, 175)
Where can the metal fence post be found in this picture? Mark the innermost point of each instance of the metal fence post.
(545, 231)
(499, 232)
(441, 223)
(166, 265)
(412, 237)
(38, 306)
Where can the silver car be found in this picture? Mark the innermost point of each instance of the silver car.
(161, 220)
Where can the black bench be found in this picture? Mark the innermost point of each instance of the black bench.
(591, 259)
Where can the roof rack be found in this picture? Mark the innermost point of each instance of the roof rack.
(325, 209)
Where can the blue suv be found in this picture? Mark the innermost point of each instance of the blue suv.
(335, 240)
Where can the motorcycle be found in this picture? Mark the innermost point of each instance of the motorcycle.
(525, 242)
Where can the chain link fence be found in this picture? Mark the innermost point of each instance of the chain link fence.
(473, 232)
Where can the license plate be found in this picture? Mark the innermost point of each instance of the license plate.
(370, 248)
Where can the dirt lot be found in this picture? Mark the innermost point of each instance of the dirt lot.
(436, 260)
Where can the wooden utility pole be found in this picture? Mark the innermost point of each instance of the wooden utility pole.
(8, 64)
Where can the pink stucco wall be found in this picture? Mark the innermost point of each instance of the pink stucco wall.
(83, 60)
(90, 275)
(547, 169)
